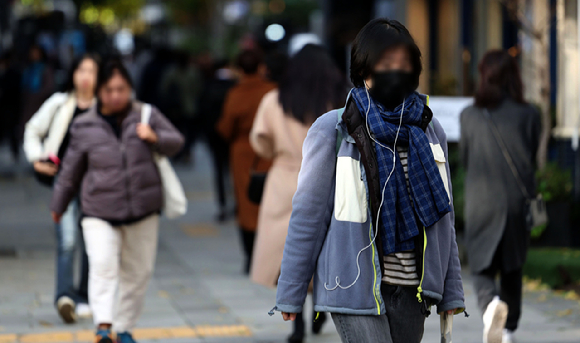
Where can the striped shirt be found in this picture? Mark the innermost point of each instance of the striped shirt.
(401, 267)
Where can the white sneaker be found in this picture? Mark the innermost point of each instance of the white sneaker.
(66, 309)
(494, 320)
(508, 336)
(84, 311)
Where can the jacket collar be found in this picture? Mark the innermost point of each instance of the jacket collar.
(92, 116)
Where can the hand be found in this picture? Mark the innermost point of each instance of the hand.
(45, 168)
(289, 316)
(56, 217)
(146, 133)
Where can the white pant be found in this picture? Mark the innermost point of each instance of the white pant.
(122, 256)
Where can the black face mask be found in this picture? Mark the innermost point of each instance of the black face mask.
(391, 87)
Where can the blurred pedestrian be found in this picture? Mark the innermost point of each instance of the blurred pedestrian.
(37, 84)
(110, 161)
(149, 90)
(180, 88)
(312, 86)
(372, 215)
(495, 228)
(10, 102)
(46, 140)
(276, 64)
(234, 126)
(211, 103)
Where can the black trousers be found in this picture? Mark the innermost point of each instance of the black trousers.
(248, 238)
(510, 289)
(220, 155)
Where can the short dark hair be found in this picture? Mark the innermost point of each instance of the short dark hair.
(249, 61)
(312, 85)
(500, 79)
(276, 63)
(69, 86)
(373, 40)
(108, 69)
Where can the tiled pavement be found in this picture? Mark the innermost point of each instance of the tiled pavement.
(198, 293)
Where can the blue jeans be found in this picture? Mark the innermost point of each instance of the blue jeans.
(69, 236)
(403, 322)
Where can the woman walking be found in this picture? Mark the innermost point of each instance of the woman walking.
(110, 160)
(234, 127)
(372, 216)
(312, 85)
(46, 140)
(495, 229)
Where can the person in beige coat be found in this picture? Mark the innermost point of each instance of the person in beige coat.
(312, 85)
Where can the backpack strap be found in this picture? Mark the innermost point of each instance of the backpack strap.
(339, 113)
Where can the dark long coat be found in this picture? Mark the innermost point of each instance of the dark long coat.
(494, 204)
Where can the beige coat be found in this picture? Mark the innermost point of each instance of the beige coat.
(279, 137)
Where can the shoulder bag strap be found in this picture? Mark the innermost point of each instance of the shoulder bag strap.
(506, 154)
(339, 113)
(58, 107)
(145, 113)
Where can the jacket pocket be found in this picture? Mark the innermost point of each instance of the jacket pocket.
(350, 199)
(439, 157)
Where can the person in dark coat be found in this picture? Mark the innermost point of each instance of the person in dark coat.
(37, 85)
(211, 103)
(495, 229)
(9, 102)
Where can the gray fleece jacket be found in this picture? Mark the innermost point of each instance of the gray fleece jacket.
(332, 221)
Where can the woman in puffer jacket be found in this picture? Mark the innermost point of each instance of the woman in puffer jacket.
(110, 161)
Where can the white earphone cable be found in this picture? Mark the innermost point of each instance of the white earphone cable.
(337, 279)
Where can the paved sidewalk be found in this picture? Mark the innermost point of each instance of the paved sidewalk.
(198, 293)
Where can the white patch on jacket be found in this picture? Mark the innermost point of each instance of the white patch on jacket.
(350, 199)
(439, 157)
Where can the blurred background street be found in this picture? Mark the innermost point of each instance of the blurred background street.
(187, 58)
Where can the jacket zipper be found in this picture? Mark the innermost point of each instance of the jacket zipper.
(375, 291)
(420, 288)
(127, 181)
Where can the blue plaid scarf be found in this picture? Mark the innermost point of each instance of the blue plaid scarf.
(429, 201)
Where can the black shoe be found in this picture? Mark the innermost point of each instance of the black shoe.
(318, 322)
(298, 335)
(222, 216)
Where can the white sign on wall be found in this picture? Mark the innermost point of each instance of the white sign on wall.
(447, 110)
